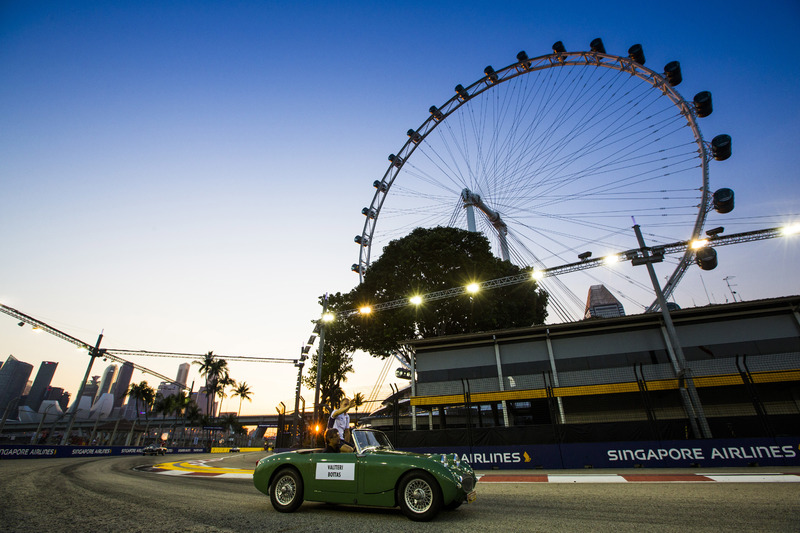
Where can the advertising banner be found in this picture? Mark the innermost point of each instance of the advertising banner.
(780, 451)
(37, 452)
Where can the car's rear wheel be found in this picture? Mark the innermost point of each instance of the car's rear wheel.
(419, 496)
(286, 490)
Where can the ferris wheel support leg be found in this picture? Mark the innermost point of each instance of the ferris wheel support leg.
(691, 400)
(471, 218)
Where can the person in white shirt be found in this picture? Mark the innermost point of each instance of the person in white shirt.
(340, 420)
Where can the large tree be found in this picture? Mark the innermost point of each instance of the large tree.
(426, 261)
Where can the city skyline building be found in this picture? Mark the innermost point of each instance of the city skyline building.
(123, 382)
(167, 388)
(108, 379)
(59, 395)
(14, 376)
(183, 373)
(600, 303)
(202, 400)
(40, 384)
(91, 387)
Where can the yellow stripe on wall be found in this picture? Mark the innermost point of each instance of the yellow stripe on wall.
(606, 388)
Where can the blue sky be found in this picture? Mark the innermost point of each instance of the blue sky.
(189, 176)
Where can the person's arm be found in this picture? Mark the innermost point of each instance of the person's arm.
(340, 410)
(346, 448)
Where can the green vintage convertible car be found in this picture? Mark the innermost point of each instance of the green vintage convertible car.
(375, 474)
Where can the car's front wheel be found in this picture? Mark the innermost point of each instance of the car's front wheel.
(286, 491)
(419, 496)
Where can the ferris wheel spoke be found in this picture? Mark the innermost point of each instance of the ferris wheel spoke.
(566, 148)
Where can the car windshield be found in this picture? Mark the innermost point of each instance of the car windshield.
(371, 439)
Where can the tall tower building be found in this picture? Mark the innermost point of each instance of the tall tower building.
(183, 373)
(43, 378)
(91, 388)
(600, 303)
(106, 382)
(14, 376)
(123, 382)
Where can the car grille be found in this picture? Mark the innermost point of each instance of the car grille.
(468, 483)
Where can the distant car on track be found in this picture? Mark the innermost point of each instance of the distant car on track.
(375, 474)
(235, 449)
(154, 449)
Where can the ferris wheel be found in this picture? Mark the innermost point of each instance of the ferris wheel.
(550, 158)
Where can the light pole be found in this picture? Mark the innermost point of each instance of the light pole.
(299, 364)
(326, 317)
(74, 409)
(9, 408)
(689, 396)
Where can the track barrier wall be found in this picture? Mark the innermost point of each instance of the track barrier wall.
(712, 453)
(38, 452)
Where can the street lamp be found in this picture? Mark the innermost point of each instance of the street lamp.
(326, 317)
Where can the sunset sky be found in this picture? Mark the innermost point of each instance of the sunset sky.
(189, 176)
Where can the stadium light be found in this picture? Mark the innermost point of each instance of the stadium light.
(792, 229)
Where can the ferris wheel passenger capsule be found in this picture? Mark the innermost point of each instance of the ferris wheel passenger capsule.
(414, 136)
(723, 200)
(721, 147)
(558, 48)
(707, 258)
(380, 185)
(702, 104)
(396, 160)
(636, 53)
(672, 71)
(462, 93)
(491, 74)
(522, 57)
(597, 46)
(437, 114)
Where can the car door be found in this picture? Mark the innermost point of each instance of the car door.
(334, 477)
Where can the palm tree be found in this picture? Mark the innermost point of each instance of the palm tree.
(224, 381)
(177, 404)
(182, 405)
(162, 406)
(213, 369)
(357, 401)
(243, 391)
(144, 394)
(193, 416)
